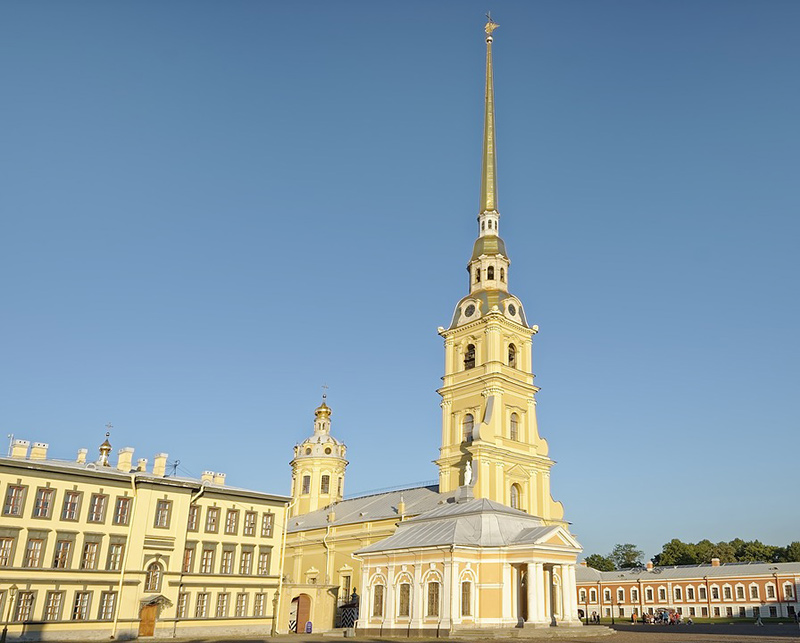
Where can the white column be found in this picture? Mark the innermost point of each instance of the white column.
(533, 595)
(445, 600)
(416, 598)
(389, 606)
(508, 593)
(364, 605)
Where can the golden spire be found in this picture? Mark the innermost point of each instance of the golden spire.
(489, 170)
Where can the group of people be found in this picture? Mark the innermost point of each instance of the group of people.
(661, 618)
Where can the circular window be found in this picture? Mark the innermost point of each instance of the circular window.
(512, 310)
(308, 451)
(328, 451)
(470, 311)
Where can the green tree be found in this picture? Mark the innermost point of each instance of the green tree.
(676, 552)
(791, 553)
(754, 551)
(599, 562)
(626, 556)
(726, 552)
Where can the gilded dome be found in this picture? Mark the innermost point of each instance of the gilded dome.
(489, 244)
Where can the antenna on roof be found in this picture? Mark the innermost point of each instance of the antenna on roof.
(174, 466)
(10, 437)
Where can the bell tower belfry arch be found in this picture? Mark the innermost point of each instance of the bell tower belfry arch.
(488, 393)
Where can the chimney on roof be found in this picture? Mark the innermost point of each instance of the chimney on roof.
(39, 451)
(207, 476)
(160, 464)
(219, 478)
(19, 448)
(332, 515)
(141, 464)
(82, 456)
(715, 562)
(125, 459)
(649, 565)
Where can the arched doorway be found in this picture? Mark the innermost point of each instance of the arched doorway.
(299, 613)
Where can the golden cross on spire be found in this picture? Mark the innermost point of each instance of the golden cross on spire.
(491, 25)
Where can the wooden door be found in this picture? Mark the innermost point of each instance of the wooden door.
(303, 612)
(147, 620)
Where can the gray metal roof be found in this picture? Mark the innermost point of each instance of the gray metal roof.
(475, 523)
(375, 507)
(684, 572)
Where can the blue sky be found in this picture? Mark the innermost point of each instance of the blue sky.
(211, 209)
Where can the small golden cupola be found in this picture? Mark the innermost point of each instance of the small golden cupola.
(318, 466)
(105, 451)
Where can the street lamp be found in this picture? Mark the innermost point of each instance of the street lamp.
(12, 592)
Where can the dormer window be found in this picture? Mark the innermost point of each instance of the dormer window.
(469, 357)
(490, 272)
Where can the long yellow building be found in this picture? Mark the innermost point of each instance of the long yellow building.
(487, 547)
(95, 549)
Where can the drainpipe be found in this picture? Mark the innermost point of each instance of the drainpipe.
(180, 578)
(125, 559)
(276, 603)
(708, 596)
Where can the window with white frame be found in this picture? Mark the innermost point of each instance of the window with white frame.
(620, 595)
(15, 494)
(232, 522)
(183, 605)
(662, 594)
(404, 602)
(634, 595)
(152, 578)
(33, 553)
(241, 604)
(108, 601)
(89, 555)
(80, 608)
(263, 563)
(114, 562)
(69, 510)
(788, 591)
(377, 601)
(122, 510)
(267, 522)
(43, 505)
(648, 594)
(701, 592)
(259, 601)
(163, 510)
(246, 563)
(226, 562)
(754, 591)
(727, 592)
(433, 599)
(678, 593)
(52, 606)
(770, 591)
(592, 595)
(222, 604)
(24, 608)
(582, 596)
(466, 598)
(740, 592)
(714, 593)
(690, 593)
(250, 523)
(201, 608)
(97, 508)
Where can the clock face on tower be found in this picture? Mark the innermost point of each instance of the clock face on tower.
(470, 311)
(512, 309)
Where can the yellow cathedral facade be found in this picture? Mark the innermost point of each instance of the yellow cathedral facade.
(487, 547)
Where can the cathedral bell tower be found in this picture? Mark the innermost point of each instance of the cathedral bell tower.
(318, 467)
(488, 396)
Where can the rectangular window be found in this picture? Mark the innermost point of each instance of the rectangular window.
(250, 523)
(715, 593)
(756, 612)
(770, 591)
(52, 606)
(704, 612)
(15, 495)
(678, 594)
(163, 508)
(43, 506)
(662, 594)
(222, 605)
(69, 511)
(306, 484)
(466, 598)
(183, 605)
(212, 520)
(607, 595)
(754, 591)
(433, 599)
(377, 600)
(692, 612)
(97, 508)
(226, 564)
(194, 518)
(24, 609)
(716, 611)
(258, 604)
(263, 563)
(742, 612)
(61, 556)
(648, 594)
(788, 591)
(702, 593)
(727, 593)
(241, 604)
(6, 547)
(404, 607)
(634, 595)
(33, 553)
(267, 522)
(690, 593)
(115, 552)
(620, 595)
(341, 481)
(188, 560)
(80, 608)
(729, 612)
(773, 611)
(232, 522)
(325, 485)
(740, 592)
(246, 563)
(345, 587)
(89, 557)
(201, 610)
(108, 601)
(122, 510)
(207, 561)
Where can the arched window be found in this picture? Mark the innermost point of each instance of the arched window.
(502, 274)
(404, 603)
(377, 600)
(515, 496)
(306, 484)
(325, 484)
(152, 579)
(467, 426)
(513, 431)
(477, 275)
(490, 272)
(466, 598)
(469, 356)
(512, 355)
(483, 225)
(433, 599)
